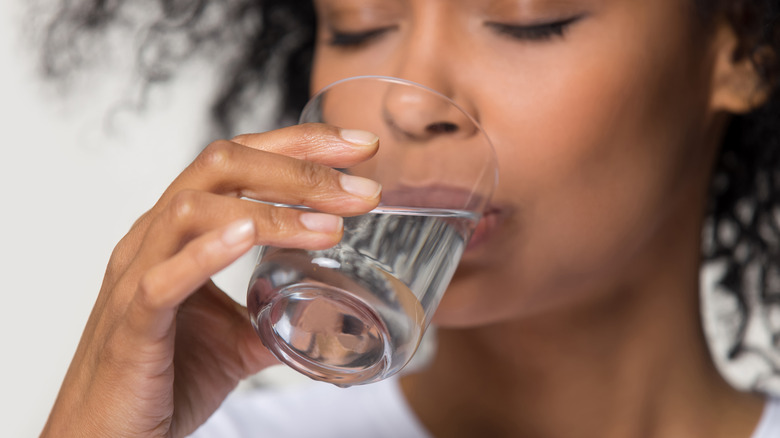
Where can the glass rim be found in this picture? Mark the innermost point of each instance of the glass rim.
(493, 159)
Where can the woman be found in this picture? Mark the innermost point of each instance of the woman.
(576, 315)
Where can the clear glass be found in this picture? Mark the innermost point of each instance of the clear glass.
(355, 313)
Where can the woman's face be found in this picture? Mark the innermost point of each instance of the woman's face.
(599, 113)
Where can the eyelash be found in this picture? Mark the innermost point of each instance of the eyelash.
(535, 32)
(356, 39)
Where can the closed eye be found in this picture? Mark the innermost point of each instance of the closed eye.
(535, 32)
(356, 39)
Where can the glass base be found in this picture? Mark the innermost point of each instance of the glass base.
(325, 333)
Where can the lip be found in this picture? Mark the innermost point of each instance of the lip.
(485, 229)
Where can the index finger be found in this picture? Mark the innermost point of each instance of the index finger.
(316, 142)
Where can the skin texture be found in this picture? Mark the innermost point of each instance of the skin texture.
(578, 312)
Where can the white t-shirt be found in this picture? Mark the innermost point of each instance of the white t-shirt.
(769, 425)
(321, 410)
(316, 410)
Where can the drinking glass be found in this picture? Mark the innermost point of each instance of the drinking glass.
(355, 313)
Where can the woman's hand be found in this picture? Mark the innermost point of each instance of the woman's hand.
(164, 346)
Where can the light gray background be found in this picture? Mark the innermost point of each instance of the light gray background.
(70, 188)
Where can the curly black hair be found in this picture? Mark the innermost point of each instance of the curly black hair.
(270, 42)
(261, 43)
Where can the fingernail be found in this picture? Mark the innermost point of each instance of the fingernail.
(362, 187)
(361, 138)
(238, 232)
(321, 222)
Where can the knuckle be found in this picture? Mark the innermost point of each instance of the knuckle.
(125, 250)
(148, 287)
(311, 132)
(215, 156)
(312, 175)
(320, 134)
(120, 256)
(183, 206)
(278, 220)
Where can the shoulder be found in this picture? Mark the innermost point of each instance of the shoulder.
(315, 409)
(769, 425)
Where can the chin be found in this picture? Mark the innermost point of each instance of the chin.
(467, 304)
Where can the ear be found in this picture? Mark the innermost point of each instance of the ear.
(737, 86)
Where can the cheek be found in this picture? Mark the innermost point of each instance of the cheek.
(596, 146)
(596, 154)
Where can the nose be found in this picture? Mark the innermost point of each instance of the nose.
(419, 115)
